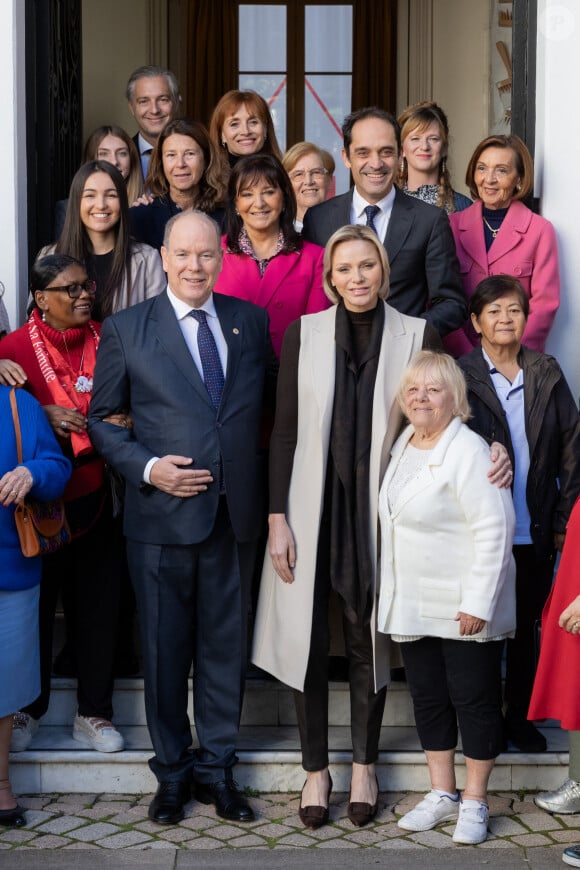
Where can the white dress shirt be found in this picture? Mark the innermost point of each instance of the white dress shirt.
(381, 220)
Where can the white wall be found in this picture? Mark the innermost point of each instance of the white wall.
(556, 162)
(13, 238)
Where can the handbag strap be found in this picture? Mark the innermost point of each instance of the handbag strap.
(16, 420)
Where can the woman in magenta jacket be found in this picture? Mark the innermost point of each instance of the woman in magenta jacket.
(499, 235)
(265, 260)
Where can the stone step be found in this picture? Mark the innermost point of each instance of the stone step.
(266, 703)
(269, 761)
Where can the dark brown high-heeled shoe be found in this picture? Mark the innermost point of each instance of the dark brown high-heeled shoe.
(360, 813)
(314, 816)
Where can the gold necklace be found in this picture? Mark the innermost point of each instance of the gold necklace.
(491, 229)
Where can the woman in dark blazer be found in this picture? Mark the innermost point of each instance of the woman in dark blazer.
(520, 397)
(184, 172)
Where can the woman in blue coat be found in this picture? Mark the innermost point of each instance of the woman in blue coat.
(43, 473)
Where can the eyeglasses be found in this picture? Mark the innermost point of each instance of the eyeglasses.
(314, 174)
(76, 290)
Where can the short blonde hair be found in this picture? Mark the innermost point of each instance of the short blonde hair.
(353, 233)
(445, 371)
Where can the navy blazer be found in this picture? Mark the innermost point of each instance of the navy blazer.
(144, 367)
(425, 279)
(148, 221)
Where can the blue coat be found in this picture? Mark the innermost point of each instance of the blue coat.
(50, 470)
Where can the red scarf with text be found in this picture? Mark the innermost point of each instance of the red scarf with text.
(70, 386)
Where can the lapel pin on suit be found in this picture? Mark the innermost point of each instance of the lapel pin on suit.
(235, 331)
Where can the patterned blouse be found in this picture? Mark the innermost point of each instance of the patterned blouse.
(246, 248)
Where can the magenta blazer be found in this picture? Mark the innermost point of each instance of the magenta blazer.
(525, 248)
(291, 285)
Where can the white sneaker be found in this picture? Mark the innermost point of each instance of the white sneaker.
(471, 825)
(99, 734)
(24, 727)
(429, 813)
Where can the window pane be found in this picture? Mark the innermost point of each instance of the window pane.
(328, 38)
(273, 89)
(326, 104)
(262, 38)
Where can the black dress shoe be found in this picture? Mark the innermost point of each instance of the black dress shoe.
(13, 818)
(166, 808)
(228, 801)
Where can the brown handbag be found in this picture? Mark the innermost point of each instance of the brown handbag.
(41, 525)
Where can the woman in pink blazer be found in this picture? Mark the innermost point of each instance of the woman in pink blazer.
(499, 235)
(265, 260)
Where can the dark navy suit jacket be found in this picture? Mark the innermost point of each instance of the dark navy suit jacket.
(144, 367)
(425, 279)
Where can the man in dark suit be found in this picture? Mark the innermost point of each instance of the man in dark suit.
(154, 101)
(190, 369)
(424, 280)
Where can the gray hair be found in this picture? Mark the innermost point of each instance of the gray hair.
(153, 72)
(445, 371)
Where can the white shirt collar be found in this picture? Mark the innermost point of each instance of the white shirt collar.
(385, 204)
(182, 308)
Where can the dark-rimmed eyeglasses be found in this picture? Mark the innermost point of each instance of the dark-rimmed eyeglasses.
(76, 290)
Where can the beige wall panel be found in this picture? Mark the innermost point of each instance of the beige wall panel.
(461, 65)
(115, 42)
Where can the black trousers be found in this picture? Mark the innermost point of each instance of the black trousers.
(534, 577)
(192, 603)
(455, 681)
(88, 571)
(366, 705)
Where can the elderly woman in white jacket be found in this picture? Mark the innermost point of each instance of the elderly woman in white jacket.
(447, 590)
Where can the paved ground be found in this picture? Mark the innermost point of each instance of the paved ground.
(521, 836)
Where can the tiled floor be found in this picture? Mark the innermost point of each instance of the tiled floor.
(115, 821)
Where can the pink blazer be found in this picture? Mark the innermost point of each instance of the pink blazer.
(525, 248)
(291, 285)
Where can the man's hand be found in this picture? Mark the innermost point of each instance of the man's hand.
(501, 473)
(171, 475)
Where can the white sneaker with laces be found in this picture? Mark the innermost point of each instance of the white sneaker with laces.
(99, 734)
(471, 825)
(430, 812)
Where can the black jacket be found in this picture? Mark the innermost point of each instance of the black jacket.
(552, 430)
(424, 280)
